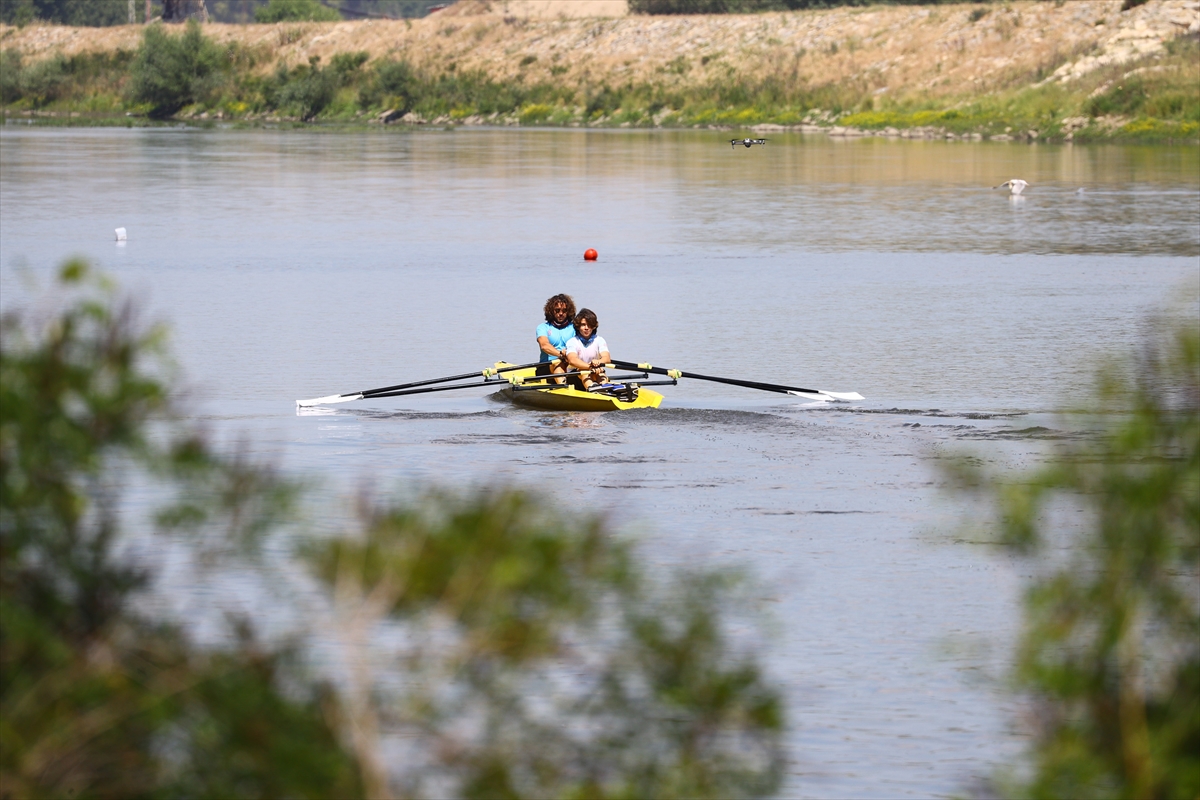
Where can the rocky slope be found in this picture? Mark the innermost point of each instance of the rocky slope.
(940, 50)
(932, 54)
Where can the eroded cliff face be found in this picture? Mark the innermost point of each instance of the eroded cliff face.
(933, 50)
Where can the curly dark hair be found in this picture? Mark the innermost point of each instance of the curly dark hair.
(548, 309)
(590, 316)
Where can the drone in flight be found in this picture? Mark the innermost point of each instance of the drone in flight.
(746, 142)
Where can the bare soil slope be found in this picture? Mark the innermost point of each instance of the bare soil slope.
(955, 50)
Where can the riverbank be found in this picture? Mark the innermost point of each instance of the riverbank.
(1083, 70)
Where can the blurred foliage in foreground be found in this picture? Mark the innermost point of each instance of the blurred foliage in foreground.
(95, 699)
(503, 650)
(1110, 651)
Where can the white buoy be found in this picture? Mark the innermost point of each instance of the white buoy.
(120, 234)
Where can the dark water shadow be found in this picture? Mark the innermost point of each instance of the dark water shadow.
(707, 417)
(1034, 433)
(923, 412)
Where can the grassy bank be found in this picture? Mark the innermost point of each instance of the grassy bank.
(157, 74)
(1150, 100)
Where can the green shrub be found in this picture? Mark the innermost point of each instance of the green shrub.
(605, 101)
(474, 89)
(89, 13)
(396, 85)
(99, 701)
(534, 113)
(658, 703)
(45, 81)
(390, 81)
(396, 77)
(85, 79)
(170, 72)
(1110, 651)
(1174, 104)
(899, 119)
(10, 76)
(17, 12)
(1150, 129)
(1126, 98)
(293, 10)
(309, 90)
(346, 65)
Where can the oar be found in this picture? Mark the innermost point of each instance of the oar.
(429, 389)
(517, 382)
(380, 392)
(812, 394)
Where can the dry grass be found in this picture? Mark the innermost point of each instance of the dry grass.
(1030, 70)
(940, 51)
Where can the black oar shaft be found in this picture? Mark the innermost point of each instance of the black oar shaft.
(380, 392)
(766, 387)
(399, 392)
(429, 389)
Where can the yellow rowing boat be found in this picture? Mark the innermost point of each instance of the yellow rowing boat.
(526, 388)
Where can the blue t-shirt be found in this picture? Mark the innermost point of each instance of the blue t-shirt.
(558, 337)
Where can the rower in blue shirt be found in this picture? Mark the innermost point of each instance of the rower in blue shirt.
(554, 333)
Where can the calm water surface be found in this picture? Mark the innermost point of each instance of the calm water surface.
(297, 264)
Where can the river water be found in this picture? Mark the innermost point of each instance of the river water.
(295, 264)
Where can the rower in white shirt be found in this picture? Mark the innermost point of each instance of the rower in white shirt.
(587, 351)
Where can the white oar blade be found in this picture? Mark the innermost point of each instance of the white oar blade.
(812, 395)
(843, 395)
(828, 397)
(324, 401)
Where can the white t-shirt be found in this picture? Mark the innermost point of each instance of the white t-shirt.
(588, 352)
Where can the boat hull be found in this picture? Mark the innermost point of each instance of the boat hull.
(565, 398)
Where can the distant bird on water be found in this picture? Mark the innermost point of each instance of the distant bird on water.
(1016, 185)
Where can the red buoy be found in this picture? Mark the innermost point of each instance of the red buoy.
(590, 255)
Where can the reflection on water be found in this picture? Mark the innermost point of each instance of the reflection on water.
(569, 420)
(391, 194)
(300, 264)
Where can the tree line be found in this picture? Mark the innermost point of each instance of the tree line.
(757, 6)
(101, 13)
(98, 13)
